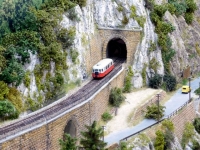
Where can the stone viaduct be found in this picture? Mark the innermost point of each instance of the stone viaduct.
(42, 133)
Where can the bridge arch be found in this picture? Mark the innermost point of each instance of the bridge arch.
(71, 127)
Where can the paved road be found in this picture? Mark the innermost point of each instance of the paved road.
(177, 100)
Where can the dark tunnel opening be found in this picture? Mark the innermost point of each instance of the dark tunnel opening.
(116, 48)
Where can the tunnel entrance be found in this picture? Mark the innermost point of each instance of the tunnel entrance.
(70, 129)
(116, 48)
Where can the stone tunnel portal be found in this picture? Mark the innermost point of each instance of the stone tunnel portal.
(70, 128)
(116, 48)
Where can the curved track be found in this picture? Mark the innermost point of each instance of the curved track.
(46, 115)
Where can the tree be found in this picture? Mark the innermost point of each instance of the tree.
(116, 97)
(91, 138)
(170, 82)
(159, 141)
(155, 82)
(4, 90)
(68, 143)
(154, 112)
(7, 110)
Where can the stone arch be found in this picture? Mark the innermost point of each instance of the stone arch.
(71, 127)
(109, 40)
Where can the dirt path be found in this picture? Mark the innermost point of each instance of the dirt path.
(133, 100)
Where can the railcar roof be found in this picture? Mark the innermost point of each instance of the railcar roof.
(101, 64)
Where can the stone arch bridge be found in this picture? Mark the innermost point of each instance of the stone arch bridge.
(41, 129)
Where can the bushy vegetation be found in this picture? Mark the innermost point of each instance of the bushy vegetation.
(155, 112)
(196, 124)
(116, 97)
(68, 143)
(7, 110)
(159, 141)
(168, 81)
(91, 138)
(128, 78)
(106, 116)
(156, 81)
(188, 133)
(33, 27)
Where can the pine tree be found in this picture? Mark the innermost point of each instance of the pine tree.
(68, 143)
(91, 138)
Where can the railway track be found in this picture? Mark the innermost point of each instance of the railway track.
(46, 115)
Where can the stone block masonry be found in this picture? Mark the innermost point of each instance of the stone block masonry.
(46, 137)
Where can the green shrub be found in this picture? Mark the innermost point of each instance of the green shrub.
(72, 15)
(156, 81)
(120, 8)
(7, 110)
(160, 10)
(4, 90)
(144, 74)
(127, 84)
(196, 124)
(116, 97)
(170, 82)
(188, 133)
(195, 145)
(106, 116)
(27, 79)
(152, 46)
(168, 125)
(189, 17)
(74, 54)
(125, 20)
(14, 96)
(159, 141)
(154, 64)
(155, 112)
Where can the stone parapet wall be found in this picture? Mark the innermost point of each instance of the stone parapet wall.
(46, 137)
(187, 114)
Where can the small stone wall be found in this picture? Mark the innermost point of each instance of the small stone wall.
(140, 112)
(187, 114)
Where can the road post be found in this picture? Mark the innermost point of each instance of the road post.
(190, 89)
(158, 103)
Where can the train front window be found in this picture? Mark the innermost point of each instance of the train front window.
(96, 70)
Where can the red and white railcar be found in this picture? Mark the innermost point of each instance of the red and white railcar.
(102, 68)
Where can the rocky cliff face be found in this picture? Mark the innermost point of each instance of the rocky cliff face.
(110, 14)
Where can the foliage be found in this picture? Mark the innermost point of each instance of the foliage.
(120, 8)
(14, 96)
(159, 141)
(91, 137)
(170, 82)
(160, 10)
(156, 81)
(169, 138)
(140, 19)
(72, 15)
(144, 74)
(168, 125)
(188, 133)
(189, 17)
(116, 97)
(7, 110)
(125, 20)
(2, 58)
(106, 116)
(154, 64)
(27, 79)
(196, 124)
(4, 90)
(123, 146)
(127, 84)
(155, 112)
(195, 145)
(68, 143)
(74, 54)
(152, 46)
